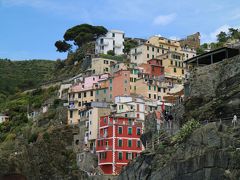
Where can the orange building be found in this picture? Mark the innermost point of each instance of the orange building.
(119, 84)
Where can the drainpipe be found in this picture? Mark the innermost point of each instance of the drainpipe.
(113, 151)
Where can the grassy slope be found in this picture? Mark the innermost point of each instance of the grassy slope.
(21, 75)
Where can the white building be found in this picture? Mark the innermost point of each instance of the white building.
(3, 118)
(127, 106)
(113, 40)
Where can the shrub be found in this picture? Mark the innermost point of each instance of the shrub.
(186, 131)
(33, 138)
(46, 137)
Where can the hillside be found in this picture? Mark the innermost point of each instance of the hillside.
(21, 75)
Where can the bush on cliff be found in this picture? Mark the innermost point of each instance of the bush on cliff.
(185, 131)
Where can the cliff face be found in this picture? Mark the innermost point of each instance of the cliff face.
(209, 153)
(214, 91)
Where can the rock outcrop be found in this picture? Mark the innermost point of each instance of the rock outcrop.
(214, 91)
(211, 152)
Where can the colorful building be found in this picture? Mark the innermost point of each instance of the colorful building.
(101, 65)
(84, 92)
(119, 84)
(118, 142)
(129, 106)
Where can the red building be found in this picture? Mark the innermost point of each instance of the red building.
(153, 68)
(118, 142)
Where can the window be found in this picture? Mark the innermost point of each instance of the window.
(129, 131)
(152, 56)
(120, 142)
(113, 34)
(175, 70)
(79, 95)
(147, 55)
(135, 88)
(138, 131)
(125, 81)
(149, 87)
(147, 47)
(171, 62)
(97, 92)
(105, 120)
(106, 69)
(129, 143)
(110, 80)
(103, 155)
(164, 90)
(149, 95)
(91, 93)
(138, 144)
(85, 94)
(155, 96)
(71, 114)
(120, 130)
(162, 51)
(128, 156)
(110, 88)
(120, 155)
(104, 91)
(159, 89)
(158, 50)
(182, 71)
(113, 42)
(135, 57)
(175, 63)
(79, 104)
(98, 142)
(154, 88)
(153, 49)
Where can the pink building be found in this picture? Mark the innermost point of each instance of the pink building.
(119, 84)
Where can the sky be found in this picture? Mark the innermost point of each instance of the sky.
(29, 28)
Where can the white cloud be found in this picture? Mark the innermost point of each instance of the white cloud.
(163, 20)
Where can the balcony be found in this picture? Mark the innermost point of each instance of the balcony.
(117, 45)
(136, 53)
(72, 107)
(103, 44)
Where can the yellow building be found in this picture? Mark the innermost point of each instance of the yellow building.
(101, 65)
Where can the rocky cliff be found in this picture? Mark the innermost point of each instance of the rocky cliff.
(211, 152)
(214, 91)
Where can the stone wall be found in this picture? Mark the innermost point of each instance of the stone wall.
(204, 81)
(214, 91)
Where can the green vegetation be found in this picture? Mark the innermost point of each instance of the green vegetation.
(16, 107)
(222, 39)
(129, 44)
(185, 131)
(119, 58)
(79, 35)
(17, 76)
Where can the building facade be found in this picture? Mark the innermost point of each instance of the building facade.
(101, 65)
(118, 142)
(113, 41)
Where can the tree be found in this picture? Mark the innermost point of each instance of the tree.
(129, 44)
(222, 37)
(62, 46)
(80, 35)
(234, 33)
(111, 52)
